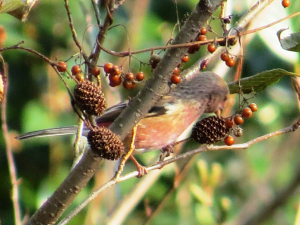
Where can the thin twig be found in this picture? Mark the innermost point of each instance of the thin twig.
(45, 58)
(95, 54)
(97, 12)
(17, 46)
(74, 35)
(9, 153)
(217, 40)
(240, 25)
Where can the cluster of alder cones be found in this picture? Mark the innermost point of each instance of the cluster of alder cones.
(90, 99)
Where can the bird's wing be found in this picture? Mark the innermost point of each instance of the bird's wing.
(113, 112)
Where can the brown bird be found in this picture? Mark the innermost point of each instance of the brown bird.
(206, 92)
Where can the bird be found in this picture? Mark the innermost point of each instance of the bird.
(168, 118)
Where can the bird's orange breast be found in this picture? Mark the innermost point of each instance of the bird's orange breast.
(159, 131)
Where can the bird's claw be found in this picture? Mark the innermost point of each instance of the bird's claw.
(166, 152)
(142, 171)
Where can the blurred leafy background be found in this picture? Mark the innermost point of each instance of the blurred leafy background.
(220, 187)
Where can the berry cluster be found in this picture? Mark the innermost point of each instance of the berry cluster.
(228, 59)
(212, 47)
(176, 78)
(237, 120)
(117, 77)
(76, 70)
(201, 37)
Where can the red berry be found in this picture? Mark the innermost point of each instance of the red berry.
(247, 113)
(114, 80)
(185, 58)
(129, 76)
(115, 71)
(229, 123)
(286, 3)
(211, 47)
(176, 70)
(229, 140)
(175, 79)
(203, 30)
(253, 107)
(238, 119)
(76, 69)
(140, 76)
(95, 71)
(108, 67)
(129, 84)
(62, 66)
(224, 56)
(194, 48)
(79, 77)
(202, 38)
(230, 62)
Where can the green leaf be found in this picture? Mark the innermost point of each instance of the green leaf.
(290, 43)
(10, 5)
(17, 8)
(258, 82)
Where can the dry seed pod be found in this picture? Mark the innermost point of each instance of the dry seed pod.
(90, 98)
(238, 131)
(209, 130)
(105, 143)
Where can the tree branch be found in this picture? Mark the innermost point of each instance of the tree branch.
(158, 86)
(9, 153)
(137, 108)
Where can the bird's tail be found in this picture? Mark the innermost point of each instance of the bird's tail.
(49, 132)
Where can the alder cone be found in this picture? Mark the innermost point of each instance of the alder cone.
(209, 130)
(105, 143)
(90, 98)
